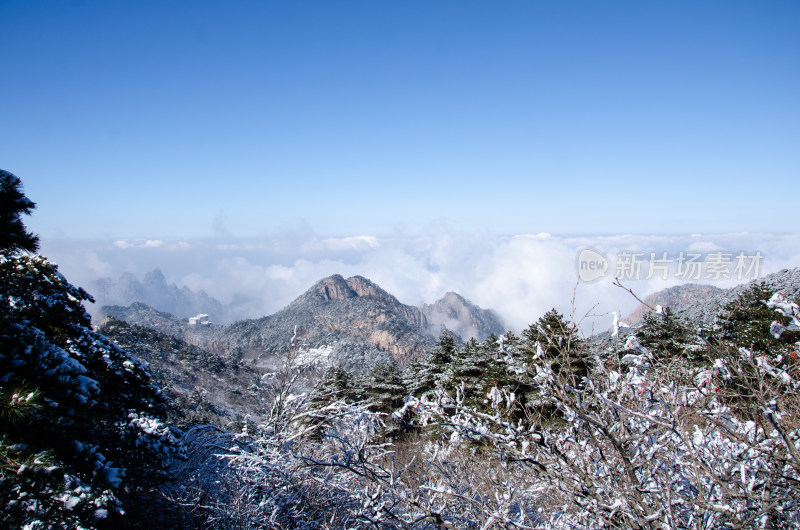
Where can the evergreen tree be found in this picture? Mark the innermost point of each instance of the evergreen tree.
(382, 388)
(480, 368)
(14, 237)
(335, 385)
(417, 377)
(553, 339)
(746, 322)
(666, 336)
(80, 420)
(423, 376)
(444, 351)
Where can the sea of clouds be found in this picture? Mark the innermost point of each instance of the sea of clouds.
(519, 276)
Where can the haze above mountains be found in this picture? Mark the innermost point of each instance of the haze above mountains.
(519, 277)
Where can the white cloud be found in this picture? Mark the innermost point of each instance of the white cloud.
(148, 243)
(334, 244)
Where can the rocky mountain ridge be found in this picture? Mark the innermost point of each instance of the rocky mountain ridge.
(358, 322)
(677, 298)
(462, 317)
(700, 304)
(155, 292)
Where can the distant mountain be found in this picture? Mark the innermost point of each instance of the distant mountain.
(208, 337)
(700, 304)
(462, 317)
(350, 322)
(362, 323)
(156, 293)
(677, 298)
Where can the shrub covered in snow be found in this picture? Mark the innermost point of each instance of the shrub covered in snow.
(634, 446)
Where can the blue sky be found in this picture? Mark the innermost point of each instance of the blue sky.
(194, 119)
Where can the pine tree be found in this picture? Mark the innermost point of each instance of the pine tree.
(335, 385)
(557, 341)
(444, 351)
(666, 336)
(14, 237)
(424, 376)
(746, 322)
(80, 420)
(480, 368)
(382, 388)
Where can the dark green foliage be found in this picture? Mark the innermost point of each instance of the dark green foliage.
(559, 343)
(667, 337)
(417, 377)
(14, 237)
(335, 385)
(167, 347)
(473, 370)
(200, 386)
(423, 376)
(382, 388)
(79, 418)
(746, 322)
(480, 367)
(444, 351)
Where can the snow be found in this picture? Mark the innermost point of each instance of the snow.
(314, 356)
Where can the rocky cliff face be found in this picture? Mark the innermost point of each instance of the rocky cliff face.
(360, 310)
(676, 298)
(336, 289)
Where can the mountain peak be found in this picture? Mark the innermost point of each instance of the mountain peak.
(365, 288)
(336, 288)
(154, 291)
(457, 314)
(155, 278)
(454, 298)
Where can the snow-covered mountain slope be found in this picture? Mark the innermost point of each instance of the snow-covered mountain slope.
(700, 304)
(359, 322)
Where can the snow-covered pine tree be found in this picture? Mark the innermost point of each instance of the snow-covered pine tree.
(747, 321)
(481, 372)
(80, 420)
(381, 388)
(421, 376)
(667, 337)
(335, 385)
(554, 339)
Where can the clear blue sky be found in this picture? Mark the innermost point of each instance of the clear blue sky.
(169, 118)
